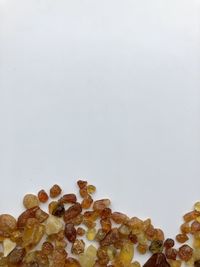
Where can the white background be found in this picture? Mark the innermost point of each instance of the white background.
(107, 91)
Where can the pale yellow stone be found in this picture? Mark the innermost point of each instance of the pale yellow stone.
(53, 225)
(8, 246)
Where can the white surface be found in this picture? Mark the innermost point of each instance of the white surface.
(103, 90)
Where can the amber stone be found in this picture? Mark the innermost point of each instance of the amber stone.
(157, 260)
(72, 212)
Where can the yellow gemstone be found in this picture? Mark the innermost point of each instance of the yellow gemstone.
(197, 206)
(91, 189)
(126, 254)
(91, 233)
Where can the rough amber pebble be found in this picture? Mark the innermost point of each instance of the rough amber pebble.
(8, 246)
(156, 246)
(68, 198)
(72, 212)
(126, 253)
(81, 184)
(88, 223)
(55, 191)
(171, 253)
(30, 201)
(192, 215)
(33, 233)
(16, 256)
(111, 252)
(106, 225)
(133, 238)
(111, 238)
(41, 215)
(159, 235)
(7, 223)
(87, 202)
(195, 227)
(124, 230)
(142, 248)
(157, 260)
(185, 252)
(78, 247)
(102, 256)
(91, 234)
(53, 225)
(43, 196)
(70, 232)
(77, 220)
(59, 210)
(91, 215)
(182, 238)
(169, 243)
(119, 217)
(105, 213)
(88, 258)
(52, 206)
(47, 248)
(58, 257)
(22, 219)
(185, 228)
(135, 224)
(80, 231)
(101, 204)
(100, 235)
(91, 189)
(150, 232)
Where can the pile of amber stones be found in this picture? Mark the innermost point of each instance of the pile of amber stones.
(88, 233)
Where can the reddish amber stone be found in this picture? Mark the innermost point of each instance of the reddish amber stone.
(157, 260)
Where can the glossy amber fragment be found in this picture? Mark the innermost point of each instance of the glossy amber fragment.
(91, 234)
(185, 252)
(55, 191)
(101, 204)
(81, 184)
(16, 256)
(191, 215)
(30, 201)
(91, 189)
(156, 246)
(7, 223)
(33, 233)
(111, 238)
(126, 253)
(157, 260)
(70, 232)
(68, 198)
(72, 212)
(29, 213)
(182, 238)
(195, 227)
(78, 247)
(171, 253)
(119, 217)
(88, 258)
(169, 243)
(87, 202)
(43, 196)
